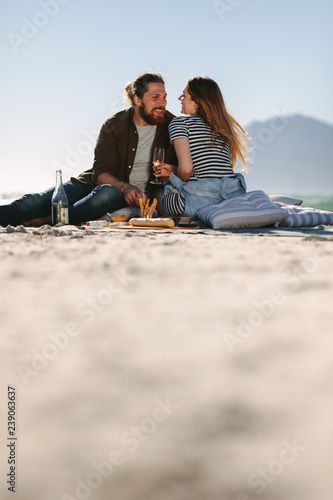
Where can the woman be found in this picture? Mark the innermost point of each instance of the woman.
(207, 141)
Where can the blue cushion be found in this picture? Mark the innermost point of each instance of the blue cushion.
(252, 209)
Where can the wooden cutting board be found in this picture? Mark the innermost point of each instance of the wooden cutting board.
(115, 225)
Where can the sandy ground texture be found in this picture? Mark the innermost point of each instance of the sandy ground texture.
(166, 365)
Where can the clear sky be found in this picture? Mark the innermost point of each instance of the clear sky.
(65, 63)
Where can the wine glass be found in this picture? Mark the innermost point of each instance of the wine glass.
(158, 157)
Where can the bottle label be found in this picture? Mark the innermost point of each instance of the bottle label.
(60, 215)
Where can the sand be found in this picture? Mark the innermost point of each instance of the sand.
(167, 365)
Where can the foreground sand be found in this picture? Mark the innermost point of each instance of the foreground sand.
(168, 365)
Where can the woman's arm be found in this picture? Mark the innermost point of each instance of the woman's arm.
(185, 165)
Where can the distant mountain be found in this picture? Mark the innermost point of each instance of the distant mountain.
(291, 155)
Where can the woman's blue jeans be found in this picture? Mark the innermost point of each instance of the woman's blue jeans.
(85, 203)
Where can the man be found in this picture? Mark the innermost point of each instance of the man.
(122, 165)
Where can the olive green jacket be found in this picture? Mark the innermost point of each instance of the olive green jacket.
(117, 144)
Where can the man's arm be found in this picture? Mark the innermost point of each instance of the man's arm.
(131, 193)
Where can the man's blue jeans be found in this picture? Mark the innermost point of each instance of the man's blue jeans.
(85, 203)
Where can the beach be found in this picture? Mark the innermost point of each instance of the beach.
(166, 364)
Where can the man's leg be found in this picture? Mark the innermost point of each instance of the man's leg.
(101, 200)
(38, 205)
(85, 203)
(25, 208)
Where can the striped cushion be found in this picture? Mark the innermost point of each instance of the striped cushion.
(304, 216)
(252, 209)
(282, 198)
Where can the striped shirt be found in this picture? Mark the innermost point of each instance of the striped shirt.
(208, 158)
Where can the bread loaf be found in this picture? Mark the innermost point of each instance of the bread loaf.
(152, 222)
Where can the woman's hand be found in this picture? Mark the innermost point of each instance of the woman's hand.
(163, 169)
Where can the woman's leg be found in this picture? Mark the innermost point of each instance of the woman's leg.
(173, 203)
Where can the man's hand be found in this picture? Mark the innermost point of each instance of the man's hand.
(132, 195)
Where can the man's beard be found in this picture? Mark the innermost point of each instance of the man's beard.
(150, 118)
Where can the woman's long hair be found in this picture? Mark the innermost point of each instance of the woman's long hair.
(211, 108)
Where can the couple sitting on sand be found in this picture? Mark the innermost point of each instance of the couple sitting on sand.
(201, 152)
